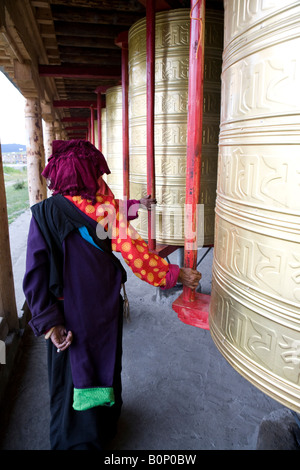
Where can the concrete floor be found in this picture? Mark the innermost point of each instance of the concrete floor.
(179, 392)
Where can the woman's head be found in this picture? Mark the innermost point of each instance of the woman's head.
(74, 168)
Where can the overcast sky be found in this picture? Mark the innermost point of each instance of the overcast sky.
(12, 120)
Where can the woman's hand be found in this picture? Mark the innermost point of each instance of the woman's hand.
(61, 338)
(147, 202)
(189, 277)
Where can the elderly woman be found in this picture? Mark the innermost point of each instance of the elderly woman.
(72, 286)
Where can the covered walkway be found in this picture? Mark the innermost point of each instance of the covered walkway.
(179, 392)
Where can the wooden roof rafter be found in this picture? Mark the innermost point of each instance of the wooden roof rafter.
(66, 49)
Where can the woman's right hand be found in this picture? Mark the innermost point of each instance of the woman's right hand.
(189, 277)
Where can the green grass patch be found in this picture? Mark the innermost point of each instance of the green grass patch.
(16, 188)
(14, 174)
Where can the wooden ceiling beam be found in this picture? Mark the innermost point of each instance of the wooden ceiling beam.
(98, 52)
(74, 119)
(90, 60)
(77, 136)
(87, 30)
(76, 128)
(93, 15)
(74, 103)
(86, 42)
(76, 96)
(120, 5)
(40, 3)
(168, 4)
(77, 71)
(43, 16)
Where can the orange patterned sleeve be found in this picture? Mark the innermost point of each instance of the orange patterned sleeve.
(125, 239)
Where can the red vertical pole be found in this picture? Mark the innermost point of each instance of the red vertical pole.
(194, 135)
(89, 130)
(125, 116)
(92, 126)
(150, 31)
(99, 122)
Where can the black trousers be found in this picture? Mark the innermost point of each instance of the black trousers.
(80, 430)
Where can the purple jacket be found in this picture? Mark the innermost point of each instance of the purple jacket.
(91, 304)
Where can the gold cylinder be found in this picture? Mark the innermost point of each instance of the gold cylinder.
(255, 301)
(172, 34)
(114, 140)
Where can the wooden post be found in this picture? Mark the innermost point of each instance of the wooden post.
(8, 307)
(99, 90)
(92, 125)
(57, 130)
(99, 120)
(150, 46)
(49, 137)
(89, 131)
(35, 151)
(191, 306)
(194, 136)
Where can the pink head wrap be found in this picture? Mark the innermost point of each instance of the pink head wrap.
(74, 168)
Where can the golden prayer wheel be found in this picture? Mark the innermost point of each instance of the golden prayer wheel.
(114, 140)
(255, 301)
(172, 34)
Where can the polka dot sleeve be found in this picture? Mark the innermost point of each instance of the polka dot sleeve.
(145, 265)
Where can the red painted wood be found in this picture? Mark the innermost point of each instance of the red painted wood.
(165, 250)
(99, 120)
(161, 5)
(89, 130)
(192, 307)
(125, 121)
(193, 313)
(150, 47)
(194, 129)
(102, 89)
(92, 125)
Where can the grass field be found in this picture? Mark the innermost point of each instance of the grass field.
(16, 191)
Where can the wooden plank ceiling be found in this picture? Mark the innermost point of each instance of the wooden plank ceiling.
(70, 46)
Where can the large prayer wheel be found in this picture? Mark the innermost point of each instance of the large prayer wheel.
(114, 140)
(172, 34)
(255, 301)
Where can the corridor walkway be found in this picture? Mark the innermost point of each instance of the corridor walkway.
(179, 392)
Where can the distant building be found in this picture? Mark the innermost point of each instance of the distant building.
(14, 157)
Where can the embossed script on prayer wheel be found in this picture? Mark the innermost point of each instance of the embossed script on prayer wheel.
(114, 140)
(172, 34)
(255, 302)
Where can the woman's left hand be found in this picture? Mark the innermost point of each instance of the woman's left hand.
(61, 338)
